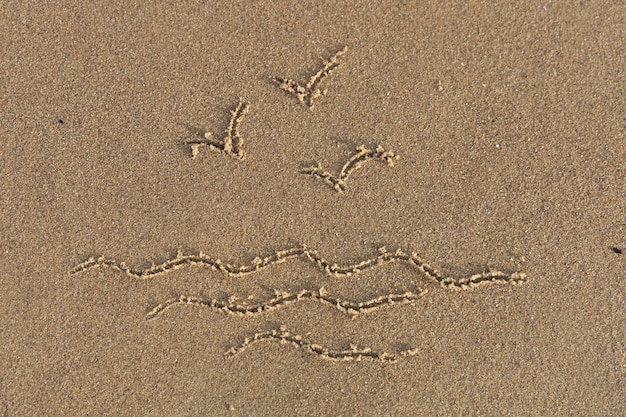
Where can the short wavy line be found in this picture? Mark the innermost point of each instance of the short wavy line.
(283, 336)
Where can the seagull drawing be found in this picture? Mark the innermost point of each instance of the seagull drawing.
(232, 143)
(308, 93)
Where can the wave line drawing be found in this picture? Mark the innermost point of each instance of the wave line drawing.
(282, 299)
(355, 162)
(283, 336)
(308, 93)
(384, 257)
(232, 143)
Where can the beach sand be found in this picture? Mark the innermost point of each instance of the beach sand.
(509, 130)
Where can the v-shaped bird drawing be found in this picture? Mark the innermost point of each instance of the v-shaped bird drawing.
(309, 92)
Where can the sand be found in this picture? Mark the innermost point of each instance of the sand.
(308, 208)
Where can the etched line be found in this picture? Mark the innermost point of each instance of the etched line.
(307, 94)
(283, 299)
(232, 143)
(283, 336)
(384, 257)
(355, 162)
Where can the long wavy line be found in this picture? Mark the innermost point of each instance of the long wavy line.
(283, 299)
(258, 264)
(361, 156)
(283, 336)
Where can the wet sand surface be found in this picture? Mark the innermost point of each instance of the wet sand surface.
(308, 208)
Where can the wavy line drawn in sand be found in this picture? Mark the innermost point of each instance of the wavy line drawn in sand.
(283, 336)
(355, 162)
(232, 143)
(308, 93)
(283, 299)
(384, 257)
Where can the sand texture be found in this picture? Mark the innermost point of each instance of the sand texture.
(235, 208)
